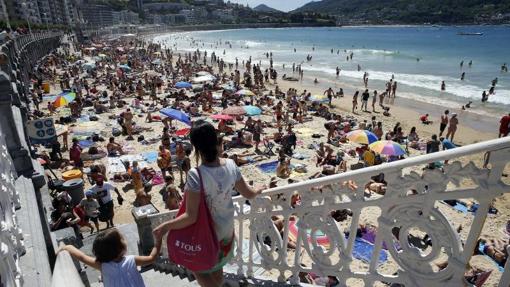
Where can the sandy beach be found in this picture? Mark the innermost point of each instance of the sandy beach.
(472, 128)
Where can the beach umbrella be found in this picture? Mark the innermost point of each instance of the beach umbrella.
(63, 99)
(222, 117)
(89, 66)
(177, 115)
(203, 73)
(228, 87)
(387, 148)
(125, 68)
(245, 92)
(319, 98)
(87, 128)
(234, 111)
(362, 137)
(203, 79)
(252, 110)
(183, 85)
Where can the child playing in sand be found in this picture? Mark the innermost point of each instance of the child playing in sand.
(117, 269)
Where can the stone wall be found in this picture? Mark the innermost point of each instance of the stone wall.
(24, 232)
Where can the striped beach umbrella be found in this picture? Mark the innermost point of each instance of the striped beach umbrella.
(319, 98)
(387, 148)
(362, 137)
(63, 99)
(245, 92)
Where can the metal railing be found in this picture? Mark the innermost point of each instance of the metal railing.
(412, 204)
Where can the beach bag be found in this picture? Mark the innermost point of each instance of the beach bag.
(195, 247)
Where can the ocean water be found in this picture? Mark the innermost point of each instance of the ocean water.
(380, 51)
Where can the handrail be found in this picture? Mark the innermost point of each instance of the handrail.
(412, 200)
(65, 273)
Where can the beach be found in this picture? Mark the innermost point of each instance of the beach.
(475, 125)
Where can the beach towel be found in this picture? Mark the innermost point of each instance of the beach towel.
(157, 179)
(481, 249)
(150, 157)
(86, 143)
(299, 156)
(363, 251)
(268, 167)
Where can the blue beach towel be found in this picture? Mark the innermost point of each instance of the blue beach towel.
(86, 143)
(268, 167)
(481, 247)
(363, 251)
(150, 157)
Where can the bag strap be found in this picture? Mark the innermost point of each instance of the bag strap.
(202, 189)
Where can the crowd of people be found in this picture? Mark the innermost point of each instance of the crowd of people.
(131, 80)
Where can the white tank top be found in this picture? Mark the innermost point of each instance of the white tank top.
(121, 274)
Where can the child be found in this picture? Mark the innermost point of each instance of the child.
(136, 176)
(117, 269)
(90, 206)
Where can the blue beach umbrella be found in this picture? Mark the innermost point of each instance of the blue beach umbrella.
(183, 85)
(125, 68)
(177, 115)
(252, 110)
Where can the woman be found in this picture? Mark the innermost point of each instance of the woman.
(452, 128)
(221, 177)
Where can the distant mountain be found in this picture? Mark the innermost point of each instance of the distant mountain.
(412, 11)
(267, 9)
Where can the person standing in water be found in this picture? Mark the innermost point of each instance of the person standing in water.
(462, 76)
(394, 89)
(443, 86)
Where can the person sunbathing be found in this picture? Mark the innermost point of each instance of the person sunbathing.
(114, 148)
(223, 128)
(246, 159)
(496, 249)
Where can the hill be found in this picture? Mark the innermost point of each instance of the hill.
(413, 11)
(267, 9)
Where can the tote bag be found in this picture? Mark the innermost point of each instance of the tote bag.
(195, 247)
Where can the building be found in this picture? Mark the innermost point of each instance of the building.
(96, 16)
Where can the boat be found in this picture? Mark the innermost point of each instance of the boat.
(470, 34)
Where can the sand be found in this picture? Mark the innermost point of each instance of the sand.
(470, 130)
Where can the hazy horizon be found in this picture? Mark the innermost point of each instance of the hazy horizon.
(283, 5)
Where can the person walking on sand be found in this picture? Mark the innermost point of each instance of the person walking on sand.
(364, 100)
(355, 101)
(374, 101)
(394, 89)
(452, 128)
(444, 122)
(218, 178)
(329, 92)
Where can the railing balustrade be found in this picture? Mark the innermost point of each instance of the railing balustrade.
(412, 204)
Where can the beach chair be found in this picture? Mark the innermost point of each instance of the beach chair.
(268, 147)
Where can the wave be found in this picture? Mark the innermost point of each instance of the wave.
(432, 83)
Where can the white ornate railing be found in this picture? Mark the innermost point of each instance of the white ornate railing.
(11, 245)
(412, 202)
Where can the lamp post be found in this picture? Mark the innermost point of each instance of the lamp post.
(46, 18)
(24, 5)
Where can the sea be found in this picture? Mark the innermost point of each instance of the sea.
(417, 57)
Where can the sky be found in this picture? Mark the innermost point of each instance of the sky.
(283, 5)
